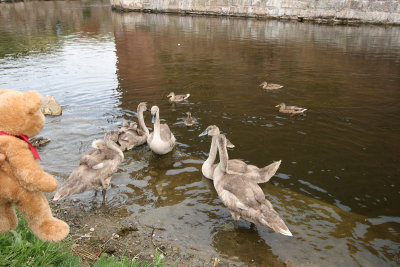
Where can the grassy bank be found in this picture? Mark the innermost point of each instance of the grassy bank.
(20, 247)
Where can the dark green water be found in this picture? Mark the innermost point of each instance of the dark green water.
(338, 187)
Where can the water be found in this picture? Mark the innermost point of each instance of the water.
(338, 186)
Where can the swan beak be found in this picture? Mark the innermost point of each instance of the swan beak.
(286, 232)
(277, 106)
(153, 118)
(56, 197)
(229, 144)
(204, 133)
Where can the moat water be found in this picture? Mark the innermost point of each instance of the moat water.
(338, 187)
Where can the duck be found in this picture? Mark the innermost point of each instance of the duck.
(258, 175)
(270, 86)
(290, 109)
(161, 140)
(130, 135)
(39, 141)
(189, 121)
(243, 197)
(95, 168)
(177, 98)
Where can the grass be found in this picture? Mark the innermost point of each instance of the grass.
(20, 247)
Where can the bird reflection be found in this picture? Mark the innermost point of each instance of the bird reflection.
(246, 245)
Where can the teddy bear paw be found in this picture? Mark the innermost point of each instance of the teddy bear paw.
(51, 230)
(48, 184)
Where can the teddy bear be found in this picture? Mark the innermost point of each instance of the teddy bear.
(22, 180)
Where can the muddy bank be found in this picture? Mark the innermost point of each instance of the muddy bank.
(96, 229)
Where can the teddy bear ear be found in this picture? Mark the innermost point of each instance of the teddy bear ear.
(33, 101)
(3, 91)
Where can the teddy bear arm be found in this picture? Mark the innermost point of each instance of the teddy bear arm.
(28, 171)
(34, 179)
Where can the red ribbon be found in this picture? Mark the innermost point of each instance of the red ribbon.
(25, 138)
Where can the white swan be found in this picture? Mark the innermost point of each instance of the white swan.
(258, 175)
(242, 196)
(161, 140)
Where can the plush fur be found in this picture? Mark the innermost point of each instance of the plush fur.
(22, 181)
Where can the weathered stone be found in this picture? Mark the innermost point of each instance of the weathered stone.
(50, 106)
(321, 11)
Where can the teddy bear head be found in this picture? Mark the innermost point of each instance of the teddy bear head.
(20, 112)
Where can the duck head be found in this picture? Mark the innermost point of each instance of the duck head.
(39, 141)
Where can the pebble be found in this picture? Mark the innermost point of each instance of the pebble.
(50, 106)
(111, 249)
(115, 236)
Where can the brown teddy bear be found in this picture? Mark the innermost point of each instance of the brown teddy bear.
(21, 178)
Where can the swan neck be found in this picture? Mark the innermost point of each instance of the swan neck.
(213, 150)
(141, 122)
(223, 156)
(157, 124)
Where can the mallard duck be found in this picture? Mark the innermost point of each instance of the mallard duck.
(161, 140)
(130, 135)
(258, 175)
(189, 121)
(95, 169)
(270, 86)
(290, 109)
(177, 98)
(39, 141)
(242, 196)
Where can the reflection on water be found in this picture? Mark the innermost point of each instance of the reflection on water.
(337, 188)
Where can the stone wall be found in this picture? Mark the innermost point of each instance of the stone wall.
(335, 11)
